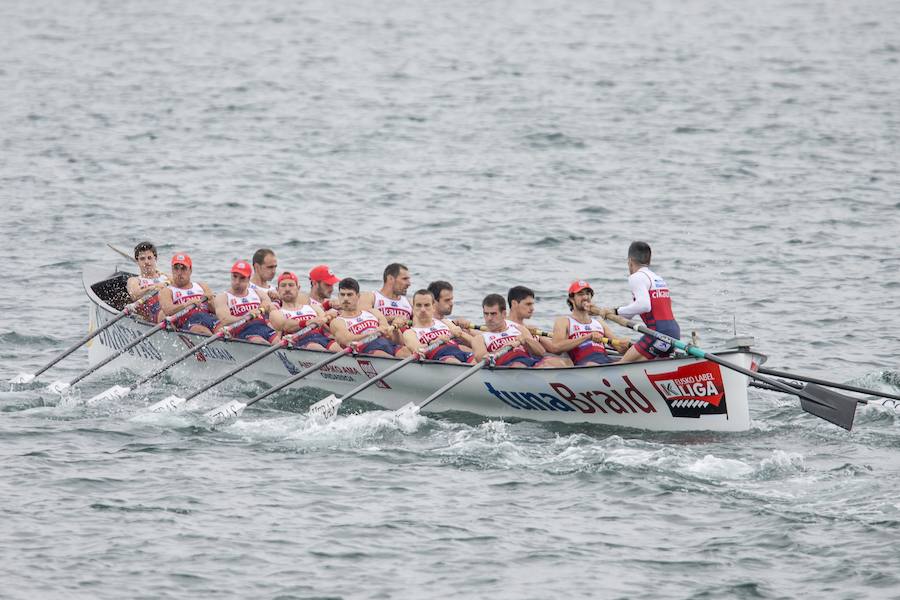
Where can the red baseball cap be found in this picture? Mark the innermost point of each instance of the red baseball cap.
(242, 268)
(288, 275)
(182, 259)
(579, 285)
(323, 273)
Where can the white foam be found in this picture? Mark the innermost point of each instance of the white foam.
(713, 467)
(22, 378)
(58, 387)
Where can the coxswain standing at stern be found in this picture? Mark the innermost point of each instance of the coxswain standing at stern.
(353, 324)
(580, 335)
(391, 300)
(652, 302)
(294, 315)
(181, 292)
(265, 264)
(240, 301)
(426, 329)
(151, 278)
(526, 352)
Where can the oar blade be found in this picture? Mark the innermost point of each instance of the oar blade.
(325, 409)
(58, 387)
(407, 410)
(116, 392)
(168, 404)
(831, 406)
(225, 413)
(22, 378)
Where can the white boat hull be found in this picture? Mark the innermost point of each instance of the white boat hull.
(679, 394)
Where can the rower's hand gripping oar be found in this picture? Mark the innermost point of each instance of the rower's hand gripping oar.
(117, 392)
(60, 387)
(129, 309)
(326, 408)
(488, 361)
(825, 404)
(234, 409)
(173, 402)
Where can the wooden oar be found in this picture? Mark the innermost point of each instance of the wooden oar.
(327, 408)
(122, 252)
(117, 392)
(232, 410)
(822, 382)
(173, 402)
(489, 360)
(825, 404)
(61, 387)
(129, 309)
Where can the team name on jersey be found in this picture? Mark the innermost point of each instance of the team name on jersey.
(148, 281)
(302, 315)
(238, 306)
(494, 340)
(363, 323)
(426, 335)
(392, 308)
(185, 295)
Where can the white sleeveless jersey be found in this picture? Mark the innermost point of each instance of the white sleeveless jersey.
(185, 295)
(366, 322)
(426, 335)
(260, 289)
(493, 341)
(302, 315)
(578, 329)
(392, 308)
(148, 281)
(239, 306)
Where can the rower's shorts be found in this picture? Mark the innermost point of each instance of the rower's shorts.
(200, 318)
(313, 338)
(596, 358)
(380, 344)
(652, 347)
(256, 329)
(454, 351)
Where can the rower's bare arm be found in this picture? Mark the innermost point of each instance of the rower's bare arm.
(222, 313)
(340, 332)
(561, 341)
(279, 322)
(366, 301)
(207, 291)
(166, 306)
(531, 343)
(478, 347)
(411, 340)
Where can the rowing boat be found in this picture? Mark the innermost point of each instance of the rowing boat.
(681, 393)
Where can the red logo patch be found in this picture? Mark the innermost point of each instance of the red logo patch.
(692, 390)
(369, 370)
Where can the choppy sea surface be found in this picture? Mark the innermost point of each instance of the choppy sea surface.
(756, 146)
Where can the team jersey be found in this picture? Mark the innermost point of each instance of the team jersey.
(427, 335)
(326, 306)
(150, 309)
(577, 330)
(302, 315)
(366, 322)
(238, 306)
(186, 295)
(392, 308)
(651, 298)
(495, 340)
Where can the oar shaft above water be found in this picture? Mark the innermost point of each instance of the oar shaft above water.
(834, 408)
(834, 384)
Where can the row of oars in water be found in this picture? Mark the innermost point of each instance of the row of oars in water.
(324, 409)
(815, 397)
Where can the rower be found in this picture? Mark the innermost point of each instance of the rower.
(391, 300)
(239, 301)
(265, 263)
(427, 329)
(651, 301)
(521, 307)
(181, 292)
(295, 314)
(321, 286)
(150, 278)
(353, 324)
(527, 351)
(579, 334)
(442, 292)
